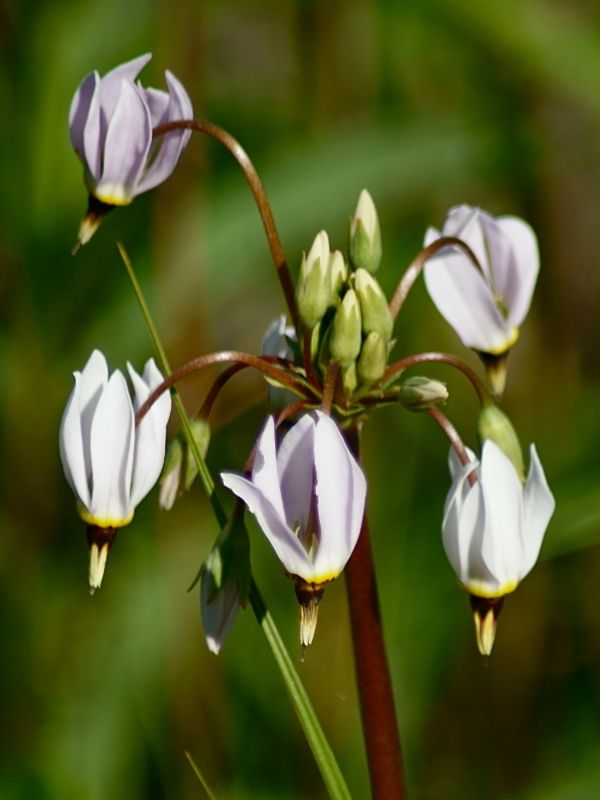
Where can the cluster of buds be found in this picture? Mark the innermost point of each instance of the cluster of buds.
(343, 306)
(306, 489)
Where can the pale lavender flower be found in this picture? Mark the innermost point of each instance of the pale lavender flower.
(484, 308)
(111, 121)
(308, 497)
(109, 463)
(493, 528)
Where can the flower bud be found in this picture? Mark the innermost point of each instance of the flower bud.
(373, 359)
(180, 468)
(376, 315)
(349, 379)
(365, 235)
(346, 335)
(225, 582)
(420, 393)
(339, 275)
(495, 425)
(313, 293)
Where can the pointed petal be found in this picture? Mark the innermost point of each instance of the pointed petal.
(79, 111)
(296, 468)
(502, 493)
(71, 446)
(94, 377)
(150, 435)
(341, 490)
(112, 439)
(520, 283)
(265, 474)
(462, 517)
(464, 299)
(110, 85)
(539, 506)
(285, 543)
(179, 107)
(127, 143)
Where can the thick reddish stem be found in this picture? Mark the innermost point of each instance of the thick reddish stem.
(382, 739)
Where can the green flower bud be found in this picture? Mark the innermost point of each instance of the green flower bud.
(376, 317)
(349, 379)
(339, 275)
(373, 359)
(180, 469)
(365, 235)
(313, 292)
(346, 334)
(420, 393)
(495, 425)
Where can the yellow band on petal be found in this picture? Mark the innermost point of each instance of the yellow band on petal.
(480, 589)
(102, 522)
(112, 196)
(512, 339)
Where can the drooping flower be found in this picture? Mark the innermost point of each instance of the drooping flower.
(493, 529)
(485, 308)
(308, 497)
(109, 463)
(111, 121)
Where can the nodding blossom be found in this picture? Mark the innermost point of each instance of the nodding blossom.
(308, 496)
(111, 464)
(493, 529)
(111, 121)
(487, 307)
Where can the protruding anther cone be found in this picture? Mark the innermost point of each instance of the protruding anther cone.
(495, 367)
(485, 614)
(100, 541)
(309, 596)
(95, 213)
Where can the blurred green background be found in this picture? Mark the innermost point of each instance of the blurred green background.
(427, 104)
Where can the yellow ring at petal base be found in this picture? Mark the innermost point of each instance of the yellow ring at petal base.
(102, 522)
(479, 590)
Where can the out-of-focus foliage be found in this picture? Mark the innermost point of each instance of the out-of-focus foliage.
(427, 104)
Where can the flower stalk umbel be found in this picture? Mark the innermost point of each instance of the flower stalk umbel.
(326, 373)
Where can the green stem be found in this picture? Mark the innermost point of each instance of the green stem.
(203, 471)
(334, 780)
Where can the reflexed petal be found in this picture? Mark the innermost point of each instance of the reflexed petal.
(112, 439)
(502, 492)
(498, 255)
(463, 298)
(519, 289)
(461, 514)
(341, 490)
(274, 341)
(538, 505)
(71, 446)
(157, 102)
(219, 614)
(78, 113)
(127, 143)
(285, 543)
(464, 222)
(94, 377)
(110, 86)
(296, 468)
(150, 435)
(265, 474)
(165, 161)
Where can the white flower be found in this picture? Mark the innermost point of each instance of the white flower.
(308, 497)
(493, 529)
(110, 464)
(276, 342)
(486, 309)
